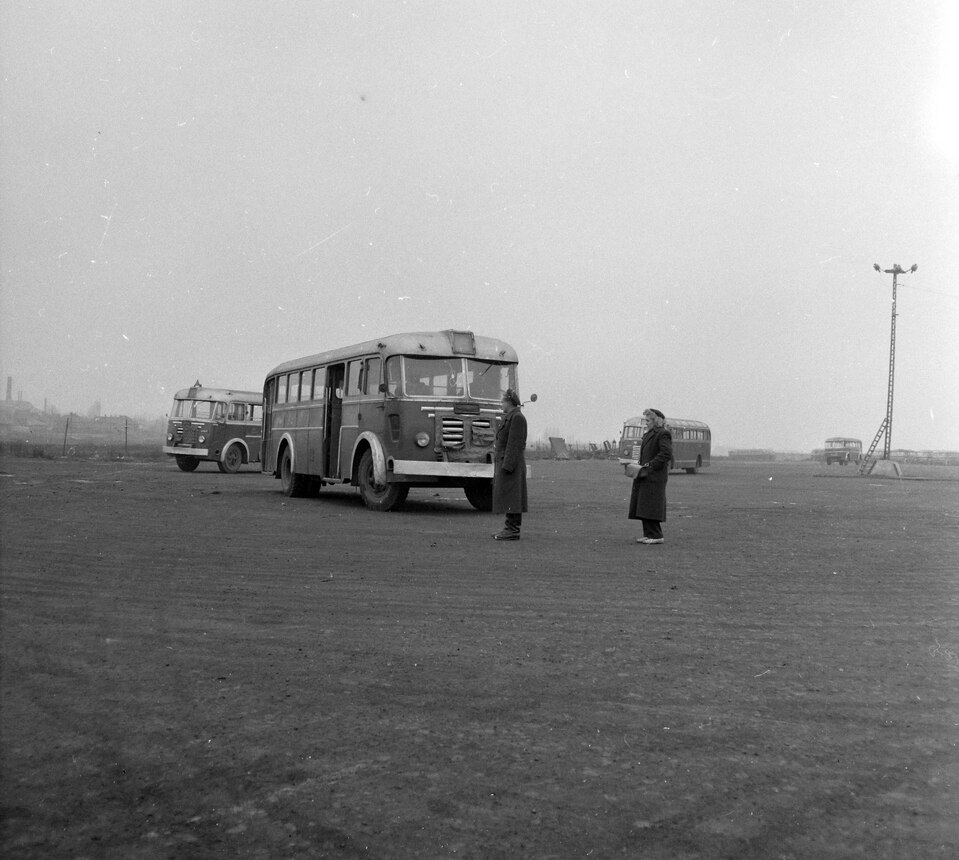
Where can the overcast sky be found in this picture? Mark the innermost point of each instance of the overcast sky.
(667, 204)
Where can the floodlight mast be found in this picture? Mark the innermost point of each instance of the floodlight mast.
(895, 271)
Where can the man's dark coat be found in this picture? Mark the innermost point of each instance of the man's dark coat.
(509, 465)
(648, 498)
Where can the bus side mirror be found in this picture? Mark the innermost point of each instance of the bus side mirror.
(532, 398)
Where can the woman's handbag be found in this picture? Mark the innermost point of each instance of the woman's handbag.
(634, 471)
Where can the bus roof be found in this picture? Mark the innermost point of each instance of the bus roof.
(198, 392)
(844, 439)
(431, 343)
(670, 422)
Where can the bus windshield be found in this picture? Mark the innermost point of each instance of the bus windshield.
(449, 377)
(205, 410)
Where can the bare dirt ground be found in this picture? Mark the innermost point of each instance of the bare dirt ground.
(195, 666)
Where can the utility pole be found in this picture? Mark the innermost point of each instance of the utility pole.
(886, 426)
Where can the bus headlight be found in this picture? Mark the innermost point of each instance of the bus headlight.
(422, 439)
(201, 438)
(169, 437)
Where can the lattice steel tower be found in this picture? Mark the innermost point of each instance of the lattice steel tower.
(886, 426)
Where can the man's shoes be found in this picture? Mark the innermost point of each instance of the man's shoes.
(654, 540)
(642, 540)
(506, 535)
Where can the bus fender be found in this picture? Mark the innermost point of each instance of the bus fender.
(379, 457)
(241, 443)
(285, 439)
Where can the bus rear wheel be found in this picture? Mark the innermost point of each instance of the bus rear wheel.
(479, 494)
(378, 497)
(232, 459)
(186, 464)
(292, 483)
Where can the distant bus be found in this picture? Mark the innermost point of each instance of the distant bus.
(408, 410)
(214, 424)
(843, 450)
(692, 442)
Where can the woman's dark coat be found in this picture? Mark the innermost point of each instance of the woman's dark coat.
(509, 465)
(648, 498)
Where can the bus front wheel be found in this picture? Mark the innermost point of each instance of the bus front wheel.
(378, 497)
(232, 459)
(187, 464)
(479, 494)
(292, 483)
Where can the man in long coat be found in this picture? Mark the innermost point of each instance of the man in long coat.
(647, 502)
(509, 468)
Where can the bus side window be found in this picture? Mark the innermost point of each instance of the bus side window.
(371, 376)
(393, 375)
(354, 378)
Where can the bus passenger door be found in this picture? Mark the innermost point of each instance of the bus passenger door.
(350, 421)
(268, 461)
(254, 432)
(334, 419)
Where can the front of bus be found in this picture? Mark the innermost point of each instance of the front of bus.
(632, 435)
(191, 425)
(443, 400)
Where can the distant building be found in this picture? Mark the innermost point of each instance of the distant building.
(758, 455)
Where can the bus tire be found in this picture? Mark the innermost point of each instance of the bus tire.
(479, 494)
(378, 497)
(187, 464)
(232, 459)
(292, 483)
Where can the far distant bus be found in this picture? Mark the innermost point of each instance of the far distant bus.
(218, 425)
(692, 442)
(843, 450)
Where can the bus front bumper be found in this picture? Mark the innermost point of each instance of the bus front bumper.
(413, 469)
(186, 452)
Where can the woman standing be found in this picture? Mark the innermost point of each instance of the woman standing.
(647, 502)
(509, 467)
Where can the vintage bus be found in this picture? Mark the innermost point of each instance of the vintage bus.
(843, 450)
(408, 410)
(692, 442)
(215, 424)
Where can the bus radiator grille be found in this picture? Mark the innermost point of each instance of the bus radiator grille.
(453, 433)
(185, 434)
(482, 433)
